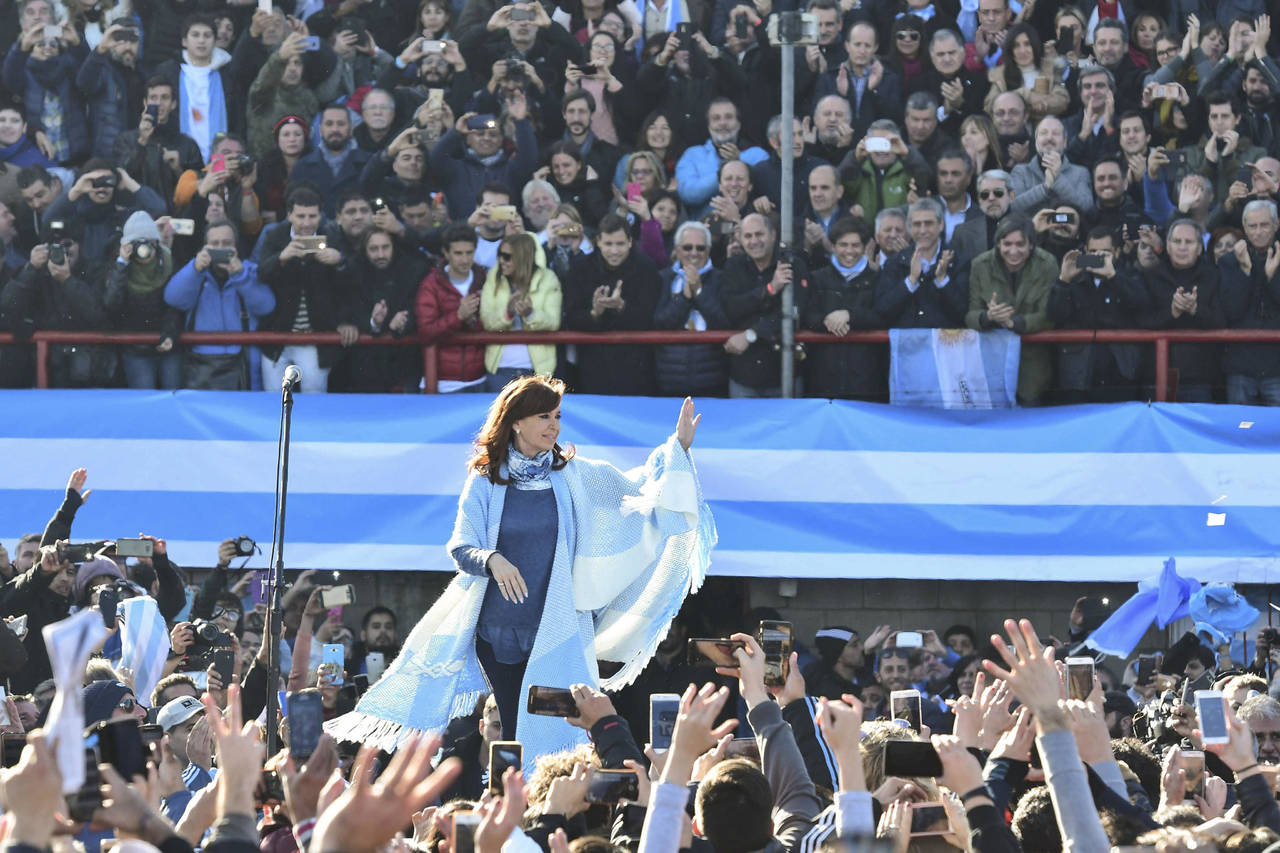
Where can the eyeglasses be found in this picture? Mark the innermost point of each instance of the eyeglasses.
(127, 704)
(986, 194)
(219, 612)
(908, 35)
(690, 247)
(506, 256)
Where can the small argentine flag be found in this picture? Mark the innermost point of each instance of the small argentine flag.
(144, 643)
(953, 368)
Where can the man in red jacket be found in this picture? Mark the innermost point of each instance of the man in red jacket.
(449, 301)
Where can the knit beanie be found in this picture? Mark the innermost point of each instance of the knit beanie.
(140, 226)
(95, 568)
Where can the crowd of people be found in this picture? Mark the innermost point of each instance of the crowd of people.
(1021, 762)
(391, 169)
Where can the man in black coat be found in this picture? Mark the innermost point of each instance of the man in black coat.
(872, 90)
(387, 279)
(751, 288)
(1105, 297)
(959, 91)
(925, 286)
(1185, 294)
(313, 293)
(1251, 299)
(615, 287)
(690, 299)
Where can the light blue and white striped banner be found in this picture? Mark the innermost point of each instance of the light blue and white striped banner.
(800, 488)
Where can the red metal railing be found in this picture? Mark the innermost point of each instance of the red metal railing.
(1160, 339)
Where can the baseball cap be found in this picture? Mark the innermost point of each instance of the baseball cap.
(177, 711)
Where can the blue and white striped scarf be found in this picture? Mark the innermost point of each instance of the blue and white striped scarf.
(630, 546)
(144, 642)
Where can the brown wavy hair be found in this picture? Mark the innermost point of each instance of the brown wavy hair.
(522, 398)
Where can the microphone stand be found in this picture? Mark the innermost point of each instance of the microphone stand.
(274, 627)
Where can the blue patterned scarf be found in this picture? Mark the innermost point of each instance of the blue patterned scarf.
(529, 474)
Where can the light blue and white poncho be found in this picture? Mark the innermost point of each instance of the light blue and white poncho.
(630, 546)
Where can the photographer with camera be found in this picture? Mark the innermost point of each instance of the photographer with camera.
(54, 292)
(100, 201)
(227, 183)
(134, 301)
(219, 293)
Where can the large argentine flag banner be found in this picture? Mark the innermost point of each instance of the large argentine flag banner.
(800, 488)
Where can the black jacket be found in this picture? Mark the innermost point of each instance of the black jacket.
(130, 311)
(685, 98)
(975, 86)
(145, 163)
(382, 369)
(691, 369)
(613, 368)
(1115, 303)
(1195, 363)
(1250, 302)
(750, 305)
(329, 291)
(930, 307)
(35, 301)
(857, 371)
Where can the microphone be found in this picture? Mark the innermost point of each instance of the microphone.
(292, 378)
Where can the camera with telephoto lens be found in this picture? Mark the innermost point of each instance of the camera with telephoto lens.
(1152, 722)
(144, 250)
(245, 546)
(208, 637)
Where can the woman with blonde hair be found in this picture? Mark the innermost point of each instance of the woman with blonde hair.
(519, 294)
(979, 140)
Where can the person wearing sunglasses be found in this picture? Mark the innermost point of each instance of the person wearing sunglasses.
(519, 293)
(690, 299)
(111, 700)
(974, 236)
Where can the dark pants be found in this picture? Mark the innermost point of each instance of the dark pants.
(504, 680)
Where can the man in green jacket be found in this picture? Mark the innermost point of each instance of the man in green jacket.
(1009, 288)
(876, 177)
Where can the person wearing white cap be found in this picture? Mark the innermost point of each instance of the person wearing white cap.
(178, 719)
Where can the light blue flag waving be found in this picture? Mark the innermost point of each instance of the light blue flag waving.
(1161, 599)
(953, 368)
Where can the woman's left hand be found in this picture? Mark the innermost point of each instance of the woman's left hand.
(688, 424)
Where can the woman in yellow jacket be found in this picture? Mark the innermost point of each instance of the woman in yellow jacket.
(1025, 70)
(520, 294)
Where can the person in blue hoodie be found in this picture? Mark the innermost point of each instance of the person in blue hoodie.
(219, 294)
